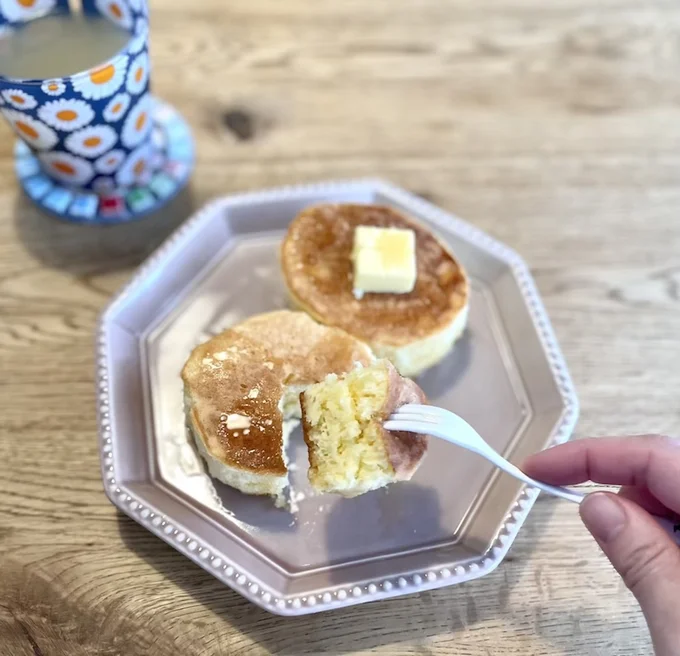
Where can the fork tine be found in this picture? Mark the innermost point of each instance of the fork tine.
(413, 416)
(407, 426)
(423, 410)
(414, 407)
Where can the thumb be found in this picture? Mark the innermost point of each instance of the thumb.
(645, 557)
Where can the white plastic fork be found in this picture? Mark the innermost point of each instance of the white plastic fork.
(431, 420)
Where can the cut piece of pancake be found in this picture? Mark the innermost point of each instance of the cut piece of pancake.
(242, 390)
(414, 330)
(342, 418)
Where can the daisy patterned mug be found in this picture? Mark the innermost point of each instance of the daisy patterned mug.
(91, 130)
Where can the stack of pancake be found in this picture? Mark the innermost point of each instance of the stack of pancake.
(415, 330)
(243, 387)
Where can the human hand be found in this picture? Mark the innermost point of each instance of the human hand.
(646, 557)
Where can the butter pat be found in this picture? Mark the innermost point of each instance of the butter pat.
(384, 260)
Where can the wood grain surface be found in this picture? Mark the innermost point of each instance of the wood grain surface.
(554, 126)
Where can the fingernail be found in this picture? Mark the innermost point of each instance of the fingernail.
(603, 515)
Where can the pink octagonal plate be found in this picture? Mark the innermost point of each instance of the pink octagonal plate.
(454, 521)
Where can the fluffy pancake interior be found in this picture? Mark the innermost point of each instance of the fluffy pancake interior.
(343, 432)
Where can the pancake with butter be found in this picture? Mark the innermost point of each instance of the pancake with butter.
(414, 330)
(242, 388)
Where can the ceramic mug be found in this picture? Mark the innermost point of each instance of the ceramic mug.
(92, 130)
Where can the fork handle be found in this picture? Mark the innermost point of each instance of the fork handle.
(554, 490)
(672, 528)
(480, 447)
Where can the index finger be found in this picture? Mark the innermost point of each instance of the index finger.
(649, 461)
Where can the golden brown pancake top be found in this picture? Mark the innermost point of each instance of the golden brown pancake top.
(243, 371)
(316, 262)
(308, 351)
(234, 375)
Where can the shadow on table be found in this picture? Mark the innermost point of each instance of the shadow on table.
(453, 611)
(79, 248)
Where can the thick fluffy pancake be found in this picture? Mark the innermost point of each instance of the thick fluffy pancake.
(317, 268)
(242, 384)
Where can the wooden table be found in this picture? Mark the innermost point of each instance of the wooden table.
(553, 126)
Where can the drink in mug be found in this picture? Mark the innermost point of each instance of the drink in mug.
(58, 45)
(74, 87)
